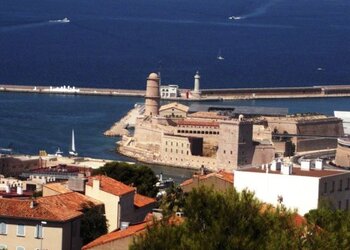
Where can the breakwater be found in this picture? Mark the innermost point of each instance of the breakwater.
(206, 94)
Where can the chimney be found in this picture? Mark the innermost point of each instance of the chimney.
(32, 204)
(305, 165)
(319, 164)
(95, 183)
(273, 165)
(19, 190)
(287, 169)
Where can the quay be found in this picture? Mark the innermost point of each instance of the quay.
(205, 94)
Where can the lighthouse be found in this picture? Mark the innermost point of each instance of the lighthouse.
(196, 93)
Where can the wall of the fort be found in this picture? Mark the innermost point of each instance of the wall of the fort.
(263, 154)
(311, 144)
(214, 182)
(146, 132)
(342, 156)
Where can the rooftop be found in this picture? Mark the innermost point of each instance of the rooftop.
(187, 122)
(244, 110)
(110, 185)
(298, 172)
(58, 187)
(141, 200)
(131, 230)
(59, 208)
(174, 105)
(226, 176)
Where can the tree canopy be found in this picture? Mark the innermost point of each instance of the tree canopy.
(228, 220)
(93, 223)
(140, 176)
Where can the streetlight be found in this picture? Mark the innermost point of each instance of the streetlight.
(42, 223)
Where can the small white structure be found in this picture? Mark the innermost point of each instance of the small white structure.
(296, 188)
(169, 91)
(345, 116)
(196, 90)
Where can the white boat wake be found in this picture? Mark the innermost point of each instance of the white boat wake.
(257, 12)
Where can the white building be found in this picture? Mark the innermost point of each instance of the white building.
(345, 116)
(169, 91)
(296, 188)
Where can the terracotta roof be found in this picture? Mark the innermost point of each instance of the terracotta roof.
(174, 105)
(131, 230)
(110, 185)
(298, 172)
(58, 187)
(197, 123)
(141, 201)
(226, 176)
(62, 207)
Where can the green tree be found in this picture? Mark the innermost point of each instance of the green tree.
(228, 220)
(140, 176)
(93, 223)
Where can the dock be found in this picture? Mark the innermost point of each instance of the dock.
(206, 94)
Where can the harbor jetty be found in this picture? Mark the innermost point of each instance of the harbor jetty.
(205, 94)
(120, 128)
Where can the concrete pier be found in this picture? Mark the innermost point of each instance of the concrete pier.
(206, 94)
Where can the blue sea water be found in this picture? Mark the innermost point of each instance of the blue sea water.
(116, 43)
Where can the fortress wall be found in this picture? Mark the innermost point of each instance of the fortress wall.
(312, 144)
(147, 133)
(327, 127)
(342, 156)
(263, 154)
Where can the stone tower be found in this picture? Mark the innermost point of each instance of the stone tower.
(152, 95)
(196, 90)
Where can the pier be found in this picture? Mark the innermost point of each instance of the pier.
(206, 94)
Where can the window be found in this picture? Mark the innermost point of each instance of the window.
(3, 247)
(325, 187)
(333, 184)
(347, 184)
(339, 204)
(3, 228)
(20, 230)
(347, 205)
(38, 231)
(20, 248)
(340, 185)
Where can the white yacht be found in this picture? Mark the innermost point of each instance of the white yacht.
(220, 57)
(64, 20)
(72, 152)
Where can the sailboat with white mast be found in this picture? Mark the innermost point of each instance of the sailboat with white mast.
(73, 152)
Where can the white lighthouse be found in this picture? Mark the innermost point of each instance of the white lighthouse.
(196, 93)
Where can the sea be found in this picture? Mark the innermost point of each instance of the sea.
(117, 43)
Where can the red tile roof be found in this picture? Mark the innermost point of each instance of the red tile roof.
(60, 208)
(111, 186)
(130, 231)
(226, 176)
(141, 201)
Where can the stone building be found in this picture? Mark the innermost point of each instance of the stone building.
(173, 110)
(308, 125)
(51, 222)
(122, 203)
